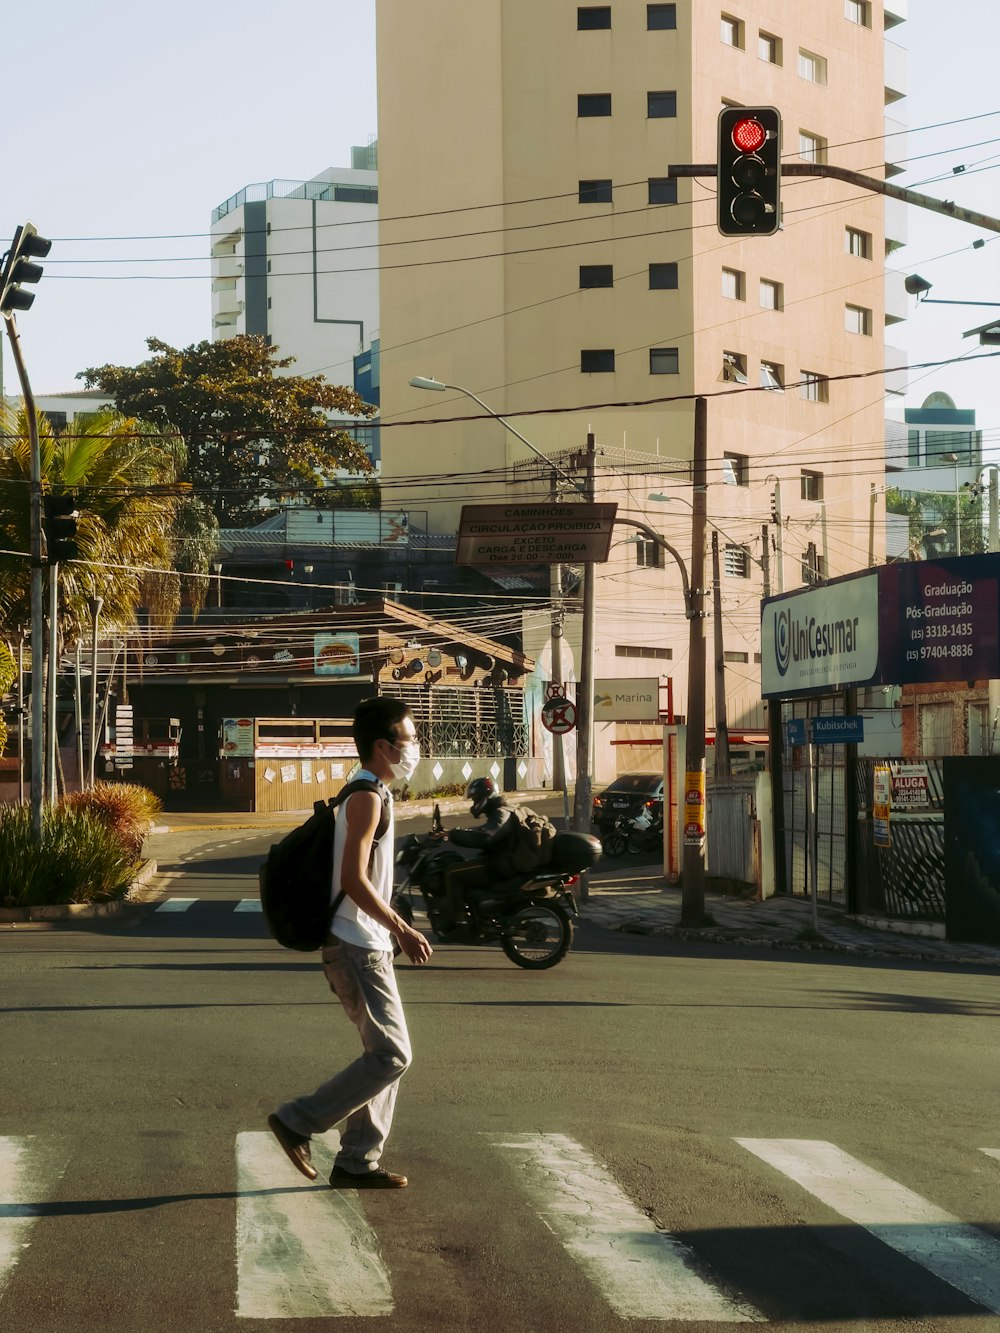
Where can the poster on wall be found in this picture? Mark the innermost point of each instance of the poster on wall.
(337, 654)
(237, 737)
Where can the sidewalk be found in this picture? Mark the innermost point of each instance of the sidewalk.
(639, 902)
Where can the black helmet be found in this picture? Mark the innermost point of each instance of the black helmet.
(484, 794)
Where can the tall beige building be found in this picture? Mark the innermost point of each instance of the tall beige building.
(536, 253)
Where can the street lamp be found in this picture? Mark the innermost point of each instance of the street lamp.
(585, 704)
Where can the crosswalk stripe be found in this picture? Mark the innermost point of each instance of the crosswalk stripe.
(961, 1255)
(642, 1273)
(27, 1170)
(176, 904)
(301, 1252)
(248, 905)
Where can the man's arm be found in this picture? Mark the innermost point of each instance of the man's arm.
(362, 813)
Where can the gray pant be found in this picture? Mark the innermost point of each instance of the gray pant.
(365, 1092)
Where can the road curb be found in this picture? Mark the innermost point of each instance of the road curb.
(45, 916)
(714, 935)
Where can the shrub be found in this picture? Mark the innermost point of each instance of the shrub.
(125, 810)
(77, 860)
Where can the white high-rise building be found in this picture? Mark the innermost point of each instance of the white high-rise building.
(297, 263)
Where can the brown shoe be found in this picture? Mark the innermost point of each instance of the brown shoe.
(379, 1179)
(294, 1145)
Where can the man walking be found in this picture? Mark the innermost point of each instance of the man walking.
(357, 961)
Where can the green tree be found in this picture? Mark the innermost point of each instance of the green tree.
(930, 511)
(248, 429)
(124, 477)
(8, 670)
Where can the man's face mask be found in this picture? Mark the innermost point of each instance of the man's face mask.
(409, 756)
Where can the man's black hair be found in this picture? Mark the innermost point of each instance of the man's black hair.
(377, 720)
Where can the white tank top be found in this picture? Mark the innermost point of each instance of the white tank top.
(349, 923)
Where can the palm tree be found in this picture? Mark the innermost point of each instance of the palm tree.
(123, 475)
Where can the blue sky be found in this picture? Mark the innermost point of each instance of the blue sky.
(129, 121)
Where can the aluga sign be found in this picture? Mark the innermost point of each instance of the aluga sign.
(826, 638)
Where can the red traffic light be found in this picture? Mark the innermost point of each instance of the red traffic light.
(749, 135)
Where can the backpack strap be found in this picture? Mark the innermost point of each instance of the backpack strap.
(362, 784)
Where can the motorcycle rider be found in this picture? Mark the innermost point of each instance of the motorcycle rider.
(495, 839)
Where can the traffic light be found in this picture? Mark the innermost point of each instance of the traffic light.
(18, 268)
(60, 528)
(749, 170)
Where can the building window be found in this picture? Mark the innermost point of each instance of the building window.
(813, 387)
(810, 485)
(593, 104)
(590, 17)
(597, 361)
(735, 470)
(769, 48)
(661, 17)
(648, 554)
(663, 361)
(977, 728)
(736, 562)
(662, 277)
(858, 242)
(731, 655)
(597, 275)
(595, 192)
(858, 11)
(662, 190)
(733, 284)
(772, 295)
(642, 650)
(936, 729)
(660, 106)
(732, 31)
(858, 319)
(812, 67)
(812, 147)
(734, 368)
(772, 376)
(913, 448)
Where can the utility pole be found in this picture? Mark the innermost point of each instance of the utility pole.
(779, 555)
(693, 864)
(723, 762)
(585, 689)
(96, 603)
(51, 730)
(558, 745)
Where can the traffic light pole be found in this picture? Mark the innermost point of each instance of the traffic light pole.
(37, 611)
(943, 206)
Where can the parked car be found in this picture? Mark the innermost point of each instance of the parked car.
(629, 792)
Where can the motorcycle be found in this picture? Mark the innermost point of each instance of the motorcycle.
(531, 915)
(633, 831)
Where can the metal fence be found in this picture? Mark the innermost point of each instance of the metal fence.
(475, 723)
(906, 879)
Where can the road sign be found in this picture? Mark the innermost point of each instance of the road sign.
(837, 730)
(558, 716)
(795, 731)
(534, 534)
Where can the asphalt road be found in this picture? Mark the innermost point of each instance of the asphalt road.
(638, 1139)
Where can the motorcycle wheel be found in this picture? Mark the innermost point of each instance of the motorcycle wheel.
(537, 936)
(614, 842)
(635, 843)
(402, 906)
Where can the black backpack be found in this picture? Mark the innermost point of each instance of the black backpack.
(295, 880)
